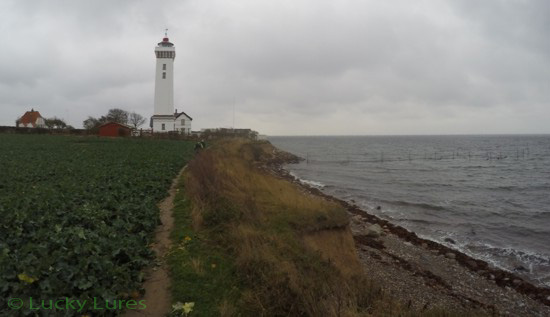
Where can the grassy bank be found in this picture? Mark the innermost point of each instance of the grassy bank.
(249, 243)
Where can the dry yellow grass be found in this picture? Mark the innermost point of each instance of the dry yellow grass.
(336, 247)
(196, 265)
(227, 309)
(293, 252)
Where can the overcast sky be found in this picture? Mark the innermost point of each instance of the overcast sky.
(296, 67)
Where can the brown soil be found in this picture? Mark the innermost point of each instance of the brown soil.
(158, 297)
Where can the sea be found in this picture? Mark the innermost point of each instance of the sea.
(487, 196)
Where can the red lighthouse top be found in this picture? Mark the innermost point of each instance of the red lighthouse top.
(165, 41)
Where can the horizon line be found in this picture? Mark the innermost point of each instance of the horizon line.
(450, 134)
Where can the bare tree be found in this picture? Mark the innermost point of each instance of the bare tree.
(93, 123)
(136, 119)
(55, 123)
(117, 115)
(114, 115)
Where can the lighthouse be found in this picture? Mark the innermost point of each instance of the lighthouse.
(165, 118)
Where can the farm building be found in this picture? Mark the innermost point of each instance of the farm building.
(114, 129)
(31, 119)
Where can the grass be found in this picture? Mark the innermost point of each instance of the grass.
(276, 249)
(201, 272)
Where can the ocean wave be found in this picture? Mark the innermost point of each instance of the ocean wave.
(534, 266)
(426, 222)
(311, 183)
(508, 187)
(508, 257)
(411, 204)
(471, 167)
(308, 182)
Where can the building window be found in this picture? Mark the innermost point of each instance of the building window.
(163, 66)
(182, 121)
(163, 75)
(163, 127)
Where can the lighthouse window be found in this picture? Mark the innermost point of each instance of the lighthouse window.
(163, 66)
(163, 75)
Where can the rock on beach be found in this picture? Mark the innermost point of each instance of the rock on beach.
(373, 231)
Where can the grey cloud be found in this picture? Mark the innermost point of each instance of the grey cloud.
(416, 66)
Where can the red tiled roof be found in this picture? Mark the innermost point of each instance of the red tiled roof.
(30, 117)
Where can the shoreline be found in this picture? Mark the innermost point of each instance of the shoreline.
(483, 270)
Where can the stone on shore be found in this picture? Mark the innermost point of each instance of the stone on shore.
(450, 255)
(472, 264)
(373, 231)
(357, 219)
(451, 241)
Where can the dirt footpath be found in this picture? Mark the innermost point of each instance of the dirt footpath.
(158, 297)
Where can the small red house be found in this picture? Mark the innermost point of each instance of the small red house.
(114, 129)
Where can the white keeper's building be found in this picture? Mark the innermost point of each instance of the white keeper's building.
(164, 118)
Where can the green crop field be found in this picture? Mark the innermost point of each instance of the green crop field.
(77, 215)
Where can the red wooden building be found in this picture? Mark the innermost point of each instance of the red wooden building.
(114, 129)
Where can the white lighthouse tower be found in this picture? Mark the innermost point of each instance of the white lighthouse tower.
(164, 118)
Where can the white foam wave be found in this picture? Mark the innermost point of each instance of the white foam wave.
(308, 182)
(312, 183)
